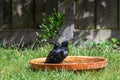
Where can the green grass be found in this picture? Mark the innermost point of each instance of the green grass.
(14, 64)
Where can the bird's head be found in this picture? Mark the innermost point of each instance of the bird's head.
(65, 43)
(57, 44)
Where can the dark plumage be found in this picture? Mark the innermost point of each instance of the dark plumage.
(58, 54)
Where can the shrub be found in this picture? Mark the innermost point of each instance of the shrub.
(50, 26)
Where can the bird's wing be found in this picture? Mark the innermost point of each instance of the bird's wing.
(51, 54)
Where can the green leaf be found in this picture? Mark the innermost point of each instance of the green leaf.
(114, 40)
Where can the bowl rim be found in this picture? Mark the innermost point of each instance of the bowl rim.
(103, 60)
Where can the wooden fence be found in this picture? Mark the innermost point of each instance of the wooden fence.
(24, 14)
(89, 14)
(97, 14)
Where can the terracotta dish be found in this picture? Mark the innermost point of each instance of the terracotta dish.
(71, 63)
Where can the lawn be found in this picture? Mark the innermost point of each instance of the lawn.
(14, 64)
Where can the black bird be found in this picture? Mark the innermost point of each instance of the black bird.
(58, 54)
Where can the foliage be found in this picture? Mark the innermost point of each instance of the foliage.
(51, 26)
(14, 64)
(116, 42)
(107, 44)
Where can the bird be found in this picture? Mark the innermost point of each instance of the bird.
(58, 53)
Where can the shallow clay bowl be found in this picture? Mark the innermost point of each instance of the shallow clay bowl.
(71, 63)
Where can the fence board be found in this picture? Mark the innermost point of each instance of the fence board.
(119, 14)
(42, 8)
(5, 14)
(38, 12)
(84, 14)
(22, 14)
(107, 14)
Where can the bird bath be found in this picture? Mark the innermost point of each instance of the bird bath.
(71, 63)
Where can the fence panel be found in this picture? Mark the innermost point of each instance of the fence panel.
(84, 14)
(107, 14)
(89, 14)
(119, 14)
(42, 8)
(23, 14)
(5, 14)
